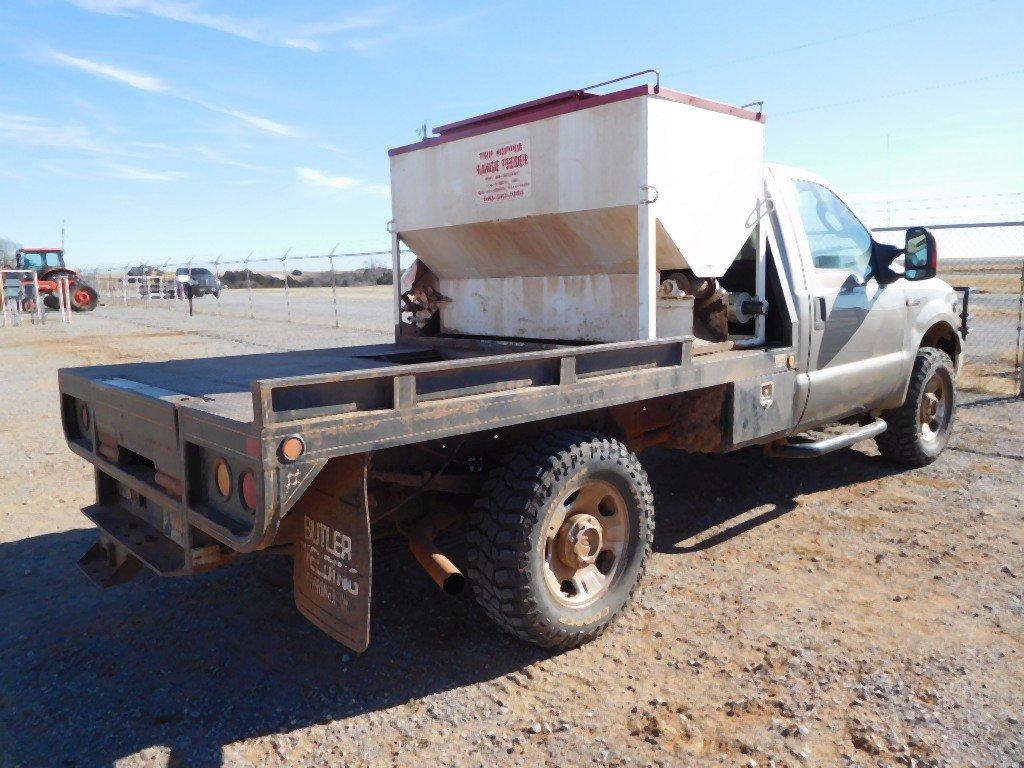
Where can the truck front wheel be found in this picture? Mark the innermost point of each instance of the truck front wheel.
(560, 537)
(919, 429)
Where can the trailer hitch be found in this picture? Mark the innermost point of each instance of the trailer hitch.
(109, 564)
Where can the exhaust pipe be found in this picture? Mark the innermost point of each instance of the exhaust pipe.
(442, 570)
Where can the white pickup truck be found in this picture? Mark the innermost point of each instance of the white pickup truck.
(595, 274)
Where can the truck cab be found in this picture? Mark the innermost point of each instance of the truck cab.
(863, 314)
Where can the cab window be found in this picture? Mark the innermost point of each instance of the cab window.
(837, 238)
(32, 260)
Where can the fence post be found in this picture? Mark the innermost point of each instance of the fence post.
(1019, 354)
(334, 284)
(216, 276)
(287, 299)
(188, 292)
(248, 284)
(39, 299)
(3, 296)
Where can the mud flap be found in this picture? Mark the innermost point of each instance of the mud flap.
(332, 552)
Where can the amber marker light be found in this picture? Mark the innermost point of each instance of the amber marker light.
(222, 476)
(291, 448)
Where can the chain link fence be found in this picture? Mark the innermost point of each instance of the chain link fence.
(334, 288)
(316, 289)
(987, 257)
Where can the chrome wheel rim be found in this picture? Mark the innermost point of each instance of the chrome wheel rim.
(585, 545)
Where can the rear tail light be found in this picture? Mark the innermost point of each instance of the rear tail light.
(250, 495)
(84, 418)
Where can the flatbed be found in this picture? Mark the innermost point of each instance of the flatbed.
(359, 399)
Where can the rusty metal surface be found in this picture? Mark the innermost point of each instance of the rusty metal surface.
(460, 415)
(698, 421)
(443, 571)
(332, 552)
(475, 388)
(297, 399)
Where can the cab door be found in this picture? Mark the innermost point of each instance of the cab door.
(857, 324)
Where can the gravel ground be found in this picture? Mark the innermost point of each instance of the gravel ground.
(835, 612)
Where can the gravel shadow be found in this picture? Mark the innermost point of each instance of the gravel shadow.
(695, 493)
(89, 676)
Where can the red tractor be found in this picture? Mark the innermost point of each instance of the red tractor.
(48, 264)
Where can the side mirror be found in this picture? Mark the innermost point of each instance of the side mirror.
(921, 260)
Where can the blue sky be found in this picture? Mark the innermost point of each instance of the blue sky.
(164, 129)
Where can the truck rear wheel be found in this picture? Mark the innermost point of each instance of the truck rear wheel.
(919, 429)
(560, 537)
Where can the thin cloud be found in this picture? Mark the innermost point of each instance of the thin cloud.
(110, 72)
(309, 45)
(260, 123)
(319, 178)
(216, 157)
(186, 13)
(264, 31)
(134, 173)
(408, 31)
(367, 20)
(40, 132)
(156, 85)
(384, 190)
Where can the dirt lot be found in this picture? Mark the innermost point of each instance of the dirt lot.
(836, 612)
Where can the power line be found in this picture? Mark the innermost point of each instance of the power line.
(833, 39)
(907, 92)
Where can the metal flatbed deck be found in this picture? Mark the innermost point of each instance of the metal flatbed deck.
(222, 386)
(356, 400)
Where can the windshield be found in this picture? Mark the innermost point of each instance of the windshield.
(42, 260)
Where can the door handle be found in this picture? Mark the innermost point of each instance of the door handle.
(820, 313)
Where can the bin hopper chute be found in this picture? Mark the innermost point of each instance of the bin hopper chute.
(555, 219)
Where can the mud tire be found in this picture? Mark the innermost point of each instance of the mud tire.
(904, 441)
(508, 531)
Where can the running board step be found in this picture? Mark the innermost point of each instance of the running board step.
(787, 450)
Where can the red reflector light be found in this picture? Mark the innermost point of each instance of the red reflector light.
(83, 415)
(250, 496)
